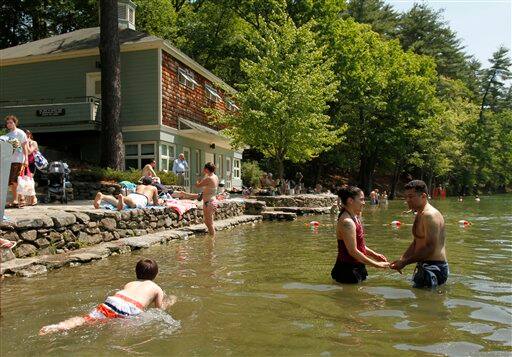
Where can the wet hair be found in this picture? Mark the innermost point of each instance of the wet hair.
(418, 186)
(146, 269)
(13, 118)
(29, 134)
(210, 167)
(146, 180)
(347, 192)
(153, 161)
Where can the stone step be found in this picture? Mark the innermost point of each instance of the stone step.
(302, 211)
(278, 215)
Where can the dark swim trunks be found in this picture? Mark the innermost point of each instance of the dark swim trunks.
(349, 273)
(430, 274)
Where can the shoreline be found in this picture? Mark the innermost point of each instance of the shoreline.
(42, 264)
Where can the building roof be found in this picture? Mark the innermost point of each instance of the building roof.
(72, 41)
(86, 42)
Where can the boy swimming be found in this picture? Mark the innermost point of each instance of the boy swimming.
(131, 301)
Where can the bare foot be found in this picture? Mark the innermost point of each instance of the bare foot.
(97, 200)
(120, 202)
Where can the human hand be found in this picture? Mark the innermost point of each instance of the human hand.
(398, 265)
(382, 265)
(381, 257)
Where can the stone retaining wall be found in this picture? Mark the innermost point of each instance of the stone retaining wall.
(323, 200)
(45, 230)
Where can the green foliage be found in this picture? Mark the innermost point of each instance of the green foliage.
(95, 174)
(380, 16)
(251, 174)
(285, 96)
(157, 17)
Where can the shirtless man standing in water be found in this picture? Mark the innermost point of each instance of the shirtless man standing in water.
(427, 249)
(209, 184)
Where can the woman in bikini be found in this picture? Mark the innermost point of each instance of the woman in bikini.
(209, 184)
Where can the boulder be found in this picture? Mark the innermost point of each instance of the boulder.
(108, 224)
(61, 218)
(24, 250)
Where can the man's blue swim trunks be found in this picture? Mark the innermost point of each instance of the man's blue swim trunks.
(430, 274)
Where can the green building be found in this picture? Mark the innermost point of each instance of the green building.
(53, 86)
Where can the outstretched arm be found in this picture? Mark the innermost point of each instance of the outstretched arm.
(377, 256)
(347, 229)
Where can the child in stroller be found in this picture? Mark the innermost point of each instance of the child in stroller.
(58, 181)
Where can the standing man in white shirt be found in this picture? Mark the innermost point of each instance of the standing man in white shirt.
(179, 167)
(19, 157)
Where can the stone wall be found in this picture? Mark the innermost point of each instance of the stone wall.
(323, 200)
(47, 230)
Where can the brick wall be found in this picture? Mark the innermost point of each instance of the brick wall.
(179, 101)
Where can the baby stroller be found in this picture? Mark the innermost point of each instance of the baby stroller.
(58, 181)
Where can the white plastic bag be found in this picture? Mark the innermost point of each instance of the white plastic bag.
(26, 185)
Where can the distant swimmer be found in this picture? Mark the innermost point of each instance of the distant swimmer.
(131, 301)
(353, 253)
(477, 199)
(428, 246)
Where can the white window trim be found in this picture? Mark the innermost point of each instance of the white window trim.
(188, 76)
(139, 156)
(197, 158)
(211, 93)
(90, 81)
(170, 159)
(237, 170)
(231, 105)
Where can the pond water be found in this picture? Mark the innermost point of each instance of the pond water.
(265, 289)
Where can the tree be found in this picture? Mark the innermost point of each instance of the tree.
(284, 98)
(30, 20)
(384, 96)
(495, 93)
(425, 32)
(380, 16)
(112, 148)
(157, 17)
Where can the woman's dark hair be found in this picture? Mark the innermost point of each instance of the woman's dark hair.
(146, 269)
(210, 167)
(29, 134)
(347, 192)
(418, 186)
(146, 180)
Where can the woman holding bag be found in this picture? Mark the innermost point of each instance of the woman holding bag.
(32, 149)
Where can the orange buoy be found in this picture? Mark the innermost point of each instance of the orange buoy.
(464, 223)
(313, 224)
(396, 223)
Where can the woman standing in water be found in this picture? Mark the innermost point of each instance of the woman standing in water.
(209, 184)
(353, 253)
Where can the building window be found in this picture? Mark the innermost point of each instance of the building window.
(167, 155)
(93, 84)
(197, 159)
(186, 77)
(137, 155)
(220, 166)
(232, 107)
(131, 15)
(236, 169)
(211, 93)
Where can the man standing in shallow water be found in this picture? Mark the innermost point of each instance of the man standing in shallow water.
(427, 248)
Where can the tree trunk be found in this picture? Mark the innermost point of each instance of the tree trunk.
(112, 149)
(396, 175)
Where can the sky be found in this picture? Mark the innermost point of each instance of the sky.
(483, 25)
